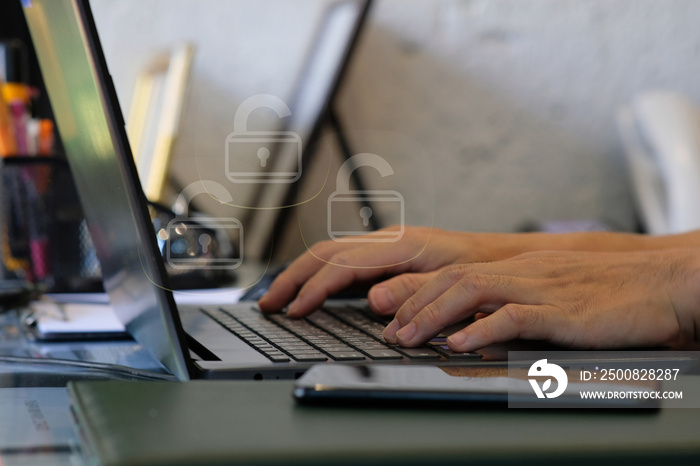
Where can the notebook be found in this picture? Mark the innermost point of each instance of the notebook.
(234, 341)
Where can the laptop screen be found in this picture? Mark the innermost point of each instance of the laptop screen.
(92, 130)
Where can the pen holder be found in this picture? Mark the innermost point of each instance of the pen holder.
(44, 235)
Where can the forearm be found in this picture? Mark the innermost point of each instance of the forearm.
(496, 246)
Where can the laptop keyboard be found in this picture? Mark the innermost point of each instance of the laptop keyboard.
(338, 334)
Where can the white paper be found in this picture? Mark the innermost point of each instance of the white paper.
(75, 318)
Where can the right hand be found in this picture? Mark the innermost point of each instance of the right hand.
(576, 299)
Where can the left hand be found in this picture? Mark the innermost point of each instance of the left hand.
(574, 299)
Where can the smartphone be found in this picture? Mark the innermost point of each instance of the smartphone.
(435, 386)
(395, 385)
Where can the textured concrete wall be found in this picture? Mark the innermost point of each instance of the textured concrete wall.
(513, 101)
(516, 100)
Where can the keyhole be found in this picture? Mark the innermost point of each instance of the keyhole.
(365, 213)
(263, 155)
(204, 241)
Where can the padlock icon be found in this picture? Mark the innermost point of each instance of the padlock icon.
(249, 154)
(392, 201)
(192, 241)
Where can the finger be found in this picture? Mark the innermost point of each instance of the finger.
(286, 285)
(472, 291)
(335, 261)
(470, 294)
(386, 297)
(426, 294)
(455, 304)
(511, 322)
(345, 268)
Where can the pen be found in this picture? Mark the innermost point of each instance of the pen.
(38, 239)
(19, 122)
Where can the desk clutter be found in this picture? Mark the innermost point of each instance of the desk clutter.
(44, 238)
(44, 235)
(22, 133)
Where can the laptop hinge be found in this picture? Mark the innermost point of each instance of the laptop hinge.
(200, 351)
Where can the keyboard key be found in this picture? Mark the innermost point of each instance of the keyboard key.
(259, 343)
(278, 357)
(360, 320)
(309, 357)
(341, 334)
(419, 353)
(449, 354)
(383, 354)
(348, 356)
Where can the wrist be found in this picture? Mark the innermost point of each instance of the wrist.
(599, 241)
(685, 294)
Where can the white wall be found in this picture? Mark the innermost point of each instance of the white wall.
(513, 101)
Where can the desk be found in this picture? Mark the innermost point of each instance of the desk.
(259, 423)
(35, 420)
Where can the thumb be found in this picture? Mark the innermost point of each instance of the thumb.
(512, 321)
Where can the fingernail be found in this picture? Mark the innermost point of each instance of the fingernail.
(389, 332)
(381, 298)
(456, 340)
(406, 334)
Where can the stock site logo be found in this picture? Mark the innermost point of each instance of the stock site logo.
(542, 368)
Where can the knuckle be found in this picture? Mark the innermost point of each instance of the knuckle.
(501, 281)
(454, 273)
(521, 318)
(476, 284)
(407, 311)
(515, 314)
(342, 258)
(411, 305)
(484, 328)
(473, 284)
(432, 315)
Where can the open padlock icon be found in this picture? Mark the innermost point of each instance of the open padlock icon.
(360, 201)
(192, 241)
(250, 155)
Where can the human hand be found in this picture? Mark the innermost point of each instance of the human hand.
(329, 267)
(574, 299)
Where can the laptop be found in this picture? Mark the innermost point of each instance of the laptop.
(233, 341)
